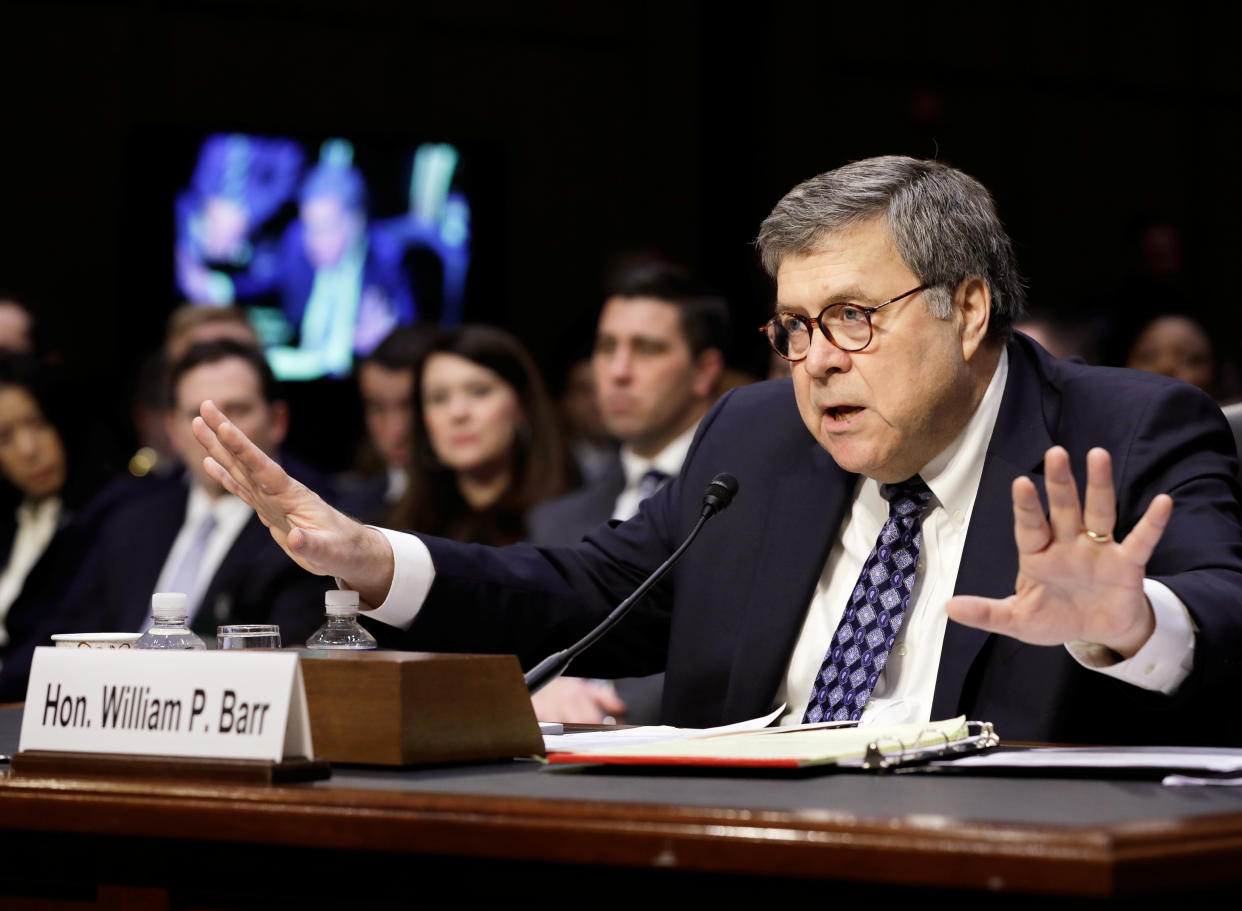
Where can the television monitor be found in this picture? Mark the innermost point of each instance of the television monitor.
(327, 243)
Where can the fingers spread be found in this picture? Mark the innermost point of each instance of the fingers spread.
(1143, 538)
(1063, 509)
(989, 614)
(1030, 528)
(1099, 512)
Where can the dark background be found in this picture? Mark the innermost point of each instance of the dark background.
(626, 125)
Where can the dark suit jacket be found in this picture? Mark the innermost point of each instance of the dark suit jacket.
(34, 615)
(726, 618)
(256, 582)
(567, 519)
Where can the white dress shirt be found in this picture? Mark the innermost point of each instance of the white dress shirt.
(36, 526)
(398, 481)
(668, 461)
(906, 687)
(904, 692)
(231, 516)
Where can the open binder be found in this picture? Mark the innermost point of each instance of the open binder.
(801, 747)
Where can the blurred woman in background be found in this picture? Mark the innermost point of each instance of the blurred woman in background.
(486, 446)
(47, 480)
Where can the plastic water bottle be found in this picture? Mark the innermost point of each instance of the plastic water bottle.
(341, 628)
(169, 629)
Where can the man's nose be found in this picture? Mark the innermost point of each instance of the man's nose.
(823, 357)
(620, 365)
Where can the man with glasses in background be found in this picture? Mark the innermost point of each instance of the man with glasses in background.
(925, 552)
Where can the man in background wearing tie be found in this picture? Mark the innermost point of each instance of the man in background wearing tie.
(657, 363)
(187, 534)
(922, 552)
(658, 359)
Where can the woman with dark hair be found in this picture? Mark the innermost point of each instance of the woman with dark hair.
(486, 446)
(47, 479)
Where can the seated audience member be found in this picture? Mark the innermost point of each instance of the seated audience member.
(658, 360)
(16, 326)
(485, 449)
(188, 325)
(594, 451)
(48, 511)
(1178, 346)
(187, 534)
(192, 324)
(386, 386)
(485, 446)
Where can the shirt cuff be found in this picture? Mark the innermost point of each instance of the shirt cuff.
(1166, 658)
(412, 575)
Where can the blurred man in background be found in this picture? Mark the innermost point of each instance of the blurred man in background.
(187, 534)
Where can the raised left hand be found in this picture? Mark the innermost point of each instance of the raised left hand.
(1071, 585)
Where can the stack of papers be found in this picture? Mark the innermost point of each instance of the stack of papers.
(751, 744)
(1172, 765)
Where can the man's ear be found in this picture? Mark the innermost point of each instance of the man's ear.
(279, 412)
(708, 367)
(972, 307)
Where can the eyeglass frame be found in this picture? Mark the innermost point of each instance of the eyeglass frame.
(813, 322)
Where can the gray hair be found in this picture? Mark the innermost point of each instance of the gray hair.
(943, 223)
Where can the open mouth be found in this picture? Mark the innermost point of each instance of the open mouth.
(843, 412)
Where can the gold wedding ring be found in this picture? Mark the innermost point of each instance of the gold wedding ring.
(1097, 537)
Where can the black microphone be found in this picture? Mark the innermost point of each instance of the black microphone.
(719, 494)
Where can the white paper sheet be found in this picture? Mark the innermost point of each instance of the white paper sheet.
(1185, 759)
(591, 740)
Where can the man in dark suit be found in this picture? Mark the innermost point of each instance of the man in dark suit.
(187, 534)
(658, 359)
(386, 387)
(991, 588)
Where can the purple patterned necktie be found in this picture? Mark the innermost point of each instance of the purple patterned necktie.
(869, 627)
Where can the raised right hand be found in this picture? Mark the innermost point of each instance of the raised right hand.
(318, 537)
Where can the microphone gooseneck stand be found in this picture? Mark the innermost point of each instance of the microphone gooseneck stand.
(719, 494)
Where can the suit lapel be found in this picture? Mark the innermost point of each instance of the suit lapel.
(797, 537)
(989, 563)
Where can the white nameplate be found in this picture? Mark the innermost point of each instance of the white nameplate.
(227, 705)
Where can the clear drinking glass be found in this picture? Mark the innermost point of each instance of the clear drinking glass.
(248, 635)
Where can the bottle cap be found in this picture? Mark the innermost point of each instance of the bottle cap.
(338, 603)
(168, 605)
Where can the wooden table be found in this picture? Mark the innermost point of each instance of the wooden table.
(511, 834)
